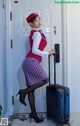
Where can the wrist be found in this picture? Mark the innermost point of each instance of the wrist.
(49, 53)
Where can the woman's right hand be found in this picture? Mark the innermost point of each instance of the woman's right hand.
(52, 52)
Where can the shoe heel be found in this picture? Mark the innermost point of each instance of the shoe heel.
(21, 97)
(35, 117)
(30, 117)
(17, 94)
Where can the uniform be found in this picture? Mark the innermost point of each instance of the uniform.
(32, 68)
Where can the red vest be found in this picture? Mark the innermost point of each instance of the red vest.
(42, 45)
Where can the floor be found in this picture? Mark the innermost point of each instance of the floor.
(74, 121)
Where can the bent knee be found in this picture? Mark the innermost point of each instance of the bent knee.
(46, 80)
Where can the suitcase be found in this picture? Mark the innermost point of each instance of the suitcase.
(55, 104)
(58, 100)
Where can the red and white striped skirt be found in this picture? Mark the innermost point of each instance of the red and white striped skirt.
(33, 71)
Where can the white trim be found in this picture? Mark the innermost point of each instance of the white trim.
(9, 58)
(64, 45)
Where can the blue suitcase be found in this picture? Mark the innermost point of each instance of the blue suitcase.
(66, 103)
(55, 103)
(58, 100)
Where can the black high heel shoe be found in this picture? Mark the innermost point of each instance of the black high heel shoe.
(22, 96)
(35, 117)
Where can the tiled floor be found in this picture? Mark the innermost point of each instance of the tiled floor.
(74, 121)
(32, 123)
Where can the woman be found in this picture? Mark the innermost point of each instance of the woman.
(34, 74)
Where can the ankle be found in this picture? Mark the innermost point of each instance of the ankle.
(35, 117)
(34, 113)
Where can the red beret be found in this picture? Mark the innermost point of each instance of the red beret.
(31, 16)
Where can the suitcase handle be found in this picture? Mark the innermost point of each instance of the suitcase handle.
(54, 69)
(56, 60)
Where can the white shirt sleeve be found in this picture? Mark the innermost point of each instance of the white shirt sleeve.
(36, 41)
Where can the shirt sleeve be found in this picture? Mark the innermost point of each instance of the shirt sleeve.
(36, 41)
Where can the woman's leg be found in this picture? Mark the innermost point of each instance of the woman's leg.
(31, 99)
(23, 92)
(35, 86)
(33, 114)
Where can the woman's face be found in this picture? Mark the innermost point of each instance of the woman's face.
(36, 23)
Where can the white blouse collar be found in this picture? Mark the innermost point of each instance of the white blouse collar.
(36, 29)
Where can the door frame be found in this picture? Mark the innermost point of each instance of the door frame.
(9, 59)
(9, 53)
(64, 44)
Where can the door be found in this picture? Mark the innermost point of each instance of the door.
(51, 25)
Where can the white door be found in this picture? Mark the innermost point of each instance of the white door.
(51, 21)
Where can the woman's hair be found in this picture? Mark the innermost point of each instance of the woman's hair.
(33, 19)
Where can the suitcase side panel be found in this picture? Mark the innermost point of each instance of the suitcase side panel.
(66, 102)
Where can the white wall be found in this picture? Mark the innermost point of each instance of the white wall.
(2, 58)
(73, 41)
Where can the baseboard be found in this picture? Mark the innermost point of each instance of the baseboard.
(8, 114)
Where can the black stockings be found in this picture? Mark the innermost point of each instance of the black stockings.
(35, 86)
(31, 99)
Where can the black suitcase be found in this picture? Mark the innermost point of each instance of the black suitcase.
(58, 100)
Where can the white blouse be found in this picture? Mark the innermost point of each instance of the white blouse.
(36, 41)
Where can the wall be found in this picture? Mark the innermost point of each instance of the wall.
(73, 42)
(2, 58)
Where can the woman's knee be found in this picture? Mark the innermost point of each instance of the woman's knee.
(46, 80)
